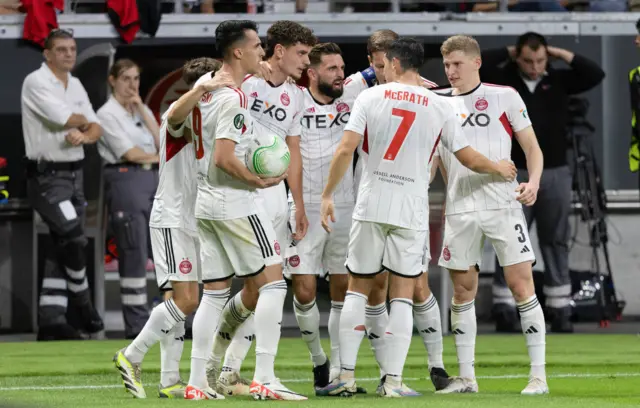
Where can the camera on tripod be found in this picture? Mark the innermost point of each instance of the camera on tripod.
(593, 292)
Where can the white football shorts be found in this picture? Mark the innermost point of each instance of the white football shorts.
(374, 247)
(465, 233)
(320, 251)
(241, 246)
(175, 255)
(273, 201)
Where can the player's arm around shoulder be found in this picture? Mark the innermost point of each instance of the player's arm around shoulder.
(454, 141)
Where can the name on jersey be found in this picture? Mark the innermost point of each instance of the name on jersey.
(325, 121)
(269, 109)
(393, 178)
(406, 96)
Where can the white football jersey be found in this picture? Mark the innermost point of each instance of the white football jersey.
(322, 129)
(275, 109)
(401, 127)
(222, 114)
(173, 205)
(489, 116)
(364, 80)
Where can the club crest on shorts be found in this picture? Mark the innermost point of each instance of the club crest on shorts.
(294, 261)
(446, 254)
(185, 266)
(276, 246)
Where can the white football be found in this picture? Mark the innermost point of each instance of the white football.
(267, 156)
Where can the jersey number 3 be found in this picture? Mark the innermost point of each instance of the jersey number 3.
(197, 132)
(408, 118)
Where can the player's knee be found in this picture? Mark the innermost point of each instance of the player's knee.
(464, 288)
(304, 292)
(520, 281)
(422, 292)
(187, 299)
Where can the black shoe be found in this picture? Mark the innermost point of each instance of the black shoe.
(91, 320)
(439, 378)
(361, 390)
(58, 332)
(506, 319)
(561, 320)
(321, 375)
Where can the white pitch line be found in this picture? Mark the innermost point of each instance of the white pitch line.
(300, 380)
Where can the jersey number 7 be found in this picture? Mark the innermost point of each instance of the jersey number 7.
(408, 117)
(197, 132)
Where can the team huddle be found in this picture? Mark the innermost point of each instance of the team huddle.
(363, 219)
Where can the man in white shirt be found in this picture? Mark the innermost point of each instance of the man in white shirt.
(57, 120)
(398, 126)
(275, 105)
(174, 241)
(236, 236)
(483, 206)
(426, 312)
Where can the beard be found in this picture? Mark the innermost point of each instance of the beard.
(327, 89)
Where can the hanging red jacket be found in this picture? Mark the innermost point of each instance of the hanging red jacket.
(125, 18)
(40, 19)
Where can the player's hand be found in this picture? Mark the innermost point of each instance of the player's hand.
(219, 80)
(265, 71)
(302, 224)
(327, 213)
(271, 181)
(75, 137)
(528, 193)
(507, 170)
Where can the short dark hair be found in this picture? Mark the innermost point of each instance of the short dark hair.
(319, 50)
(288, 33)
(531, 40)
(380, 40)
(231, 31)
(408, 51)
(195, 68)
(55, 34)
(638, 25)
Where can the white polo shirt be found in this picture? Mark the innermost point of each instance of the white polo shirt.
(122, 131)
(46, 107)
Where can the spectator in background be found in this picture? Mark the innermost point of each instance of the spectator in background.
(57, 120)
(545, 91)
(130, 149)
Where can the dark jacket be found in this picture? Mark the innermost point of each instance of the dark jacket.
(634, 89)
(548, 105)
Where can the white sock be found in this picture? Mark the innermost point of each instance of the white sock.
(334, 337)
(398, 336)
(161, 321)
(204, 329)
(465, 329)
(233, 315)
(376, 321)
(170, 354)
(308, 318)
(534, 329)
(352, 330)
(268, 317)
(426, 317)
(240, 345)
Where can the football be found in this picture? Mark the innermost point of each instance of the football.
(267, 156)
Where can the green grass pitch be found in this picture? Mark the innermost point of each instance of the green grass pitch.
(583, 371)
